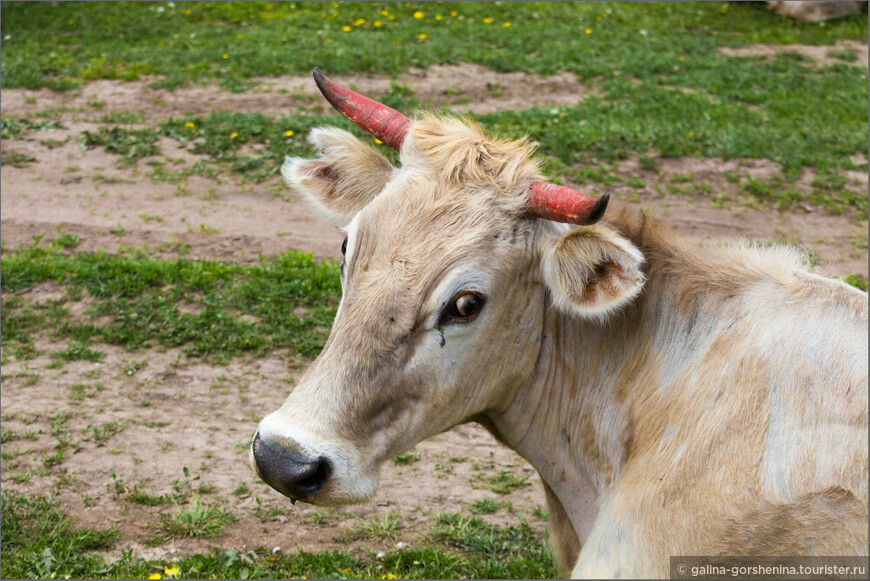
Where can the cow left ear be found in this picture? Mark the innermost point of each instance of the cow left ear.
(592, 271)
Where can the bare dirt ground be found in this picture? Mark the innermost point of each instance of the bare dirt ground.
(146, 416)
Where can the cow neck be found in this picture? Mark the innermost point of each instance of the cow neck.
(571, 422)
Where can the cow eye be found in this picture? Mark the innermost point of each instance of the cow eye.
(465, 306)
(344, 246)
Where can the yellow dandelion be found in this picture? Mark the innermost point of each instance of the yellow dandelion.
(588, 31)
(225, 56)
(421, 36)
(682, 58)
(437, 17)
(288, 133)
(418, 15)
(384, 12)
(453, 13)
(189, 125)
(335, 4)
(70, 21)
(233, 135)
(155, 576)
(186, 12)
(346, 28)
(487, 20)
(171, 570)
(160, 43)
(240, 36)
(598, 18)
(690, 134)
(377, 23)
(359, 21)
(378, 142)
(391, 17)
(507, 24)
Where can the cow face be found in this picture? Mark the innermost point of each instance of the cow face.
(446, 288)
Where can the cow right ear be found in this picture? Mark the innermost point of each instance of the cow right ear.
(347, 176)
(592, 271)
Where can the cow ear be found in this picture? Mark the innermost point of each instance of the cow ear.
(592, 271)
(346, 177)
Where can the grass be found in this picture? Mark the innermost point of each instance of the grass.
(39, 541)
(196, 520)
(66, 45)
(137, 298)
(377, 530)
(662, 84)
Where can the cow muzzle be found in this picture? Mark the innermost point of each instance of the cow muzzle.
(289, 471)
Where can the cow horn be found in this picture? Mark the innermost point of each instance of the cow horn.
(562, 204)
(383, 122)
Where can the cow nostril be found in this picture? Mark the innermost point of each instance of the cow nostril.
(289, 471)
(321, 473)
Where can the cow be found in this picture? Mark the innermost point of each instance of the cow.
(675, 398)
(813, 11)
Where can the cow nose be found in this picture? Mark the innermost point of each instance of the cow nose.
(288, 471)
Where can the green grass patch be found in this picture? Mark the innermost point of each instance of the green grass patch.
(662, 82)
(61, 46)
(15, 158)
(131, 144)
(856, 281)
(406, 458)
(39, 541)
(137, 301)
(510, 552)
(196, 520)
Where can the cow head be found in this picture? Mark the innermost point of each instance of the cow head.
(451, 264)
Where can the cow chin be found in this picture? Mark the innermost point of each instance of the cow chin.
(310, 469)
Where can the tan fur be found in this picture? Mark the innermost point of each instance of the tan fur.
(348, 175)
(592, 271)
(714, 404)
(816, 10)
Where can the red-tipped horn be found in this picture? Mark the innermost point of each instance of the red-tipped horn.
(562, 204)
(383, 122)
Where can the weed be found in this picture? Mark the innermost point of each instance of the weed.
(40, 542)
(540, 513)
(121, 118)
(51, 143)
(196, 520)
(267, 512)
(99, 435)
(134, 366)
(241, 490)
(15, 158)
(485, 506)
(322, 517)
(857, 281)
(406, 458)
(503, 482)
(385, 530)
(131, 144)
(78, 351)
